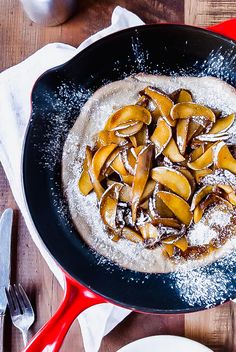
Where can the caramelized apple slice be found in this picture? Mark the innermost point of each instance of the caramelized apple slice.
(189, 109)
(210, 199)
(108, 205)
(125, 192)
(223, 158)
(157, 207)
(133, 140)
(185, 96)
(108, 137)
(172, 179)
(230, 193)
(129, 131)
(118, 166)
(177, 205)
(140, 178)
(194, 129)
(171, 151)
(131, 235)
(145, 205)
(163, 102)
(204, 161)
(223, 124)
(200, 194)
(129, 179)
(99, 190)
(199, 174)
(85, 185)
(181, 134)
(182, 244)
(169, 248)
(100, 158)
(142, 136)
(129, 160)
(161, 136)
(196, 153)
(129, 113)
(149, 231)
(168, 222)
(148, 190)
(189, 177)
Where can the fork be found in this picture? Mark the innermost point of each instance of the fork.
(21, 311)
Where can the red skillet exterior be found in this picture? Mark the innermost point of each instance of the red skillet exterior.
(77, 298)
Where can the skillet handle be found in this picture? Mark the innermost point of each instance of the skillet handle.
(226, 28)
(76, 299)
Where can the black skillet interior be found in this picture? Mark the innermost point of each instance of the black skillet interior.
(56, 101)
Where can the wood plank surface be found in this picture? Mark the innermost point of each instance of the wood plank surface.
(19, 37)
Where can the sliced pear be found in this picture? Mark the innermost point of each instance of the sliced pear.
(204, 161)
(181, 134)
(129, 131)
(199, 174)
(100, 158)
(163, 102)
(185, 96)
(113, 155)
(108, 205)
(156, 114)
(171, 151)
(223, 124)
(122, 126)
(129, 113)
(145, 205)
(161, 135)
(167, 222)
(189, 109)
(172, 179)
(149, 231)
(223, 159)
(131, 235)
(140, 178)
(108, 137)
(177, 205)
(99, 190)
(200, 194)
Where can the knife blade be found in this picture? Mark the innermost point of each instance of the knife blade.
(6, 221)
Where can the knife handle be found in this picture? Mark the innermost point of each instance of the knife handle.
(1, 332)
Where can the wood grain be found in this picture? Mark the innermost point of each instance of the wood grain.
(19, 37)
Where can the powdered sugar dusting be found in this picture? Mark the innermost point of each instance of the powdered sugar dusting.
(201, 286)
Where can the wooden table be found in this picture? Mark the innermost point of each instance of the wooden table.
(19, 37)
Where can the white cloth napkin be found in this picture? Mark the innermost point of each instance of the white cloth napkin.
(15, 89)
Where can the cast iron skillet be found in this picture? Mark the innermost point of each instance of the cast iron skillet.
(55, 105)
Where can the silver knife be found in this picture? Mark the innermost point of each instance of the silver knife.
(5, 264)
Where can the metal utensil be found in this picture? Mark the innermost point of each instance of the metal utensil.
(49, 12)
(22, 314)
(5, 251)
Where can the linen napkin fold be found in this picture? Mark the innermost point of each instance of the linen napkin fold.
(15, 88)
